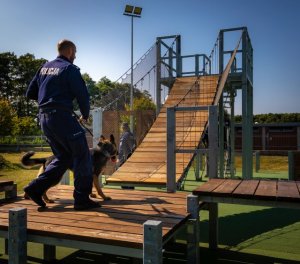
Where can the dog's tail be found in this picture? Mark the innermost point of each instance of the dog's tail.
(28, 161)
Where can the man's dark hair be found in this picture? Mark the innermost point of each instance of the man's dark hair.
(64, 45)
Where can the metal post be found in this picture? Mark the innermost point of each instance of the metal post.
(131, 86)
(197, 65)
(17, 236)
(158, 75)
(49, 253)
(193, 236)
(257, 161)
(212, 142)
(291, 163)
(178, 56)
(97, 125)
(232, 136)
(6, 246)
(213, 226)
(171, 147)
(221, 107)
(152, 244)
(247, 114)
(65, 180)
(197, 166)
(170, 64)
(263, 137)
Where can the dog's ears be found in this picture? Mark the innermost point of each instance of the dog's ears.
(112, 139)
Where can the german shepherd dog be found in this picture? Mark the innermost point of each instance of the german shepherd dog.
(106, 150)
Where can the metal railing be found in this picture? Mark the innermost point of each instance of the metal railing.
(172, 148)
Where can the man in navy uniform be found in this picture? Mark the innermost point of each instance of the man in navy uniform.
(55, 86)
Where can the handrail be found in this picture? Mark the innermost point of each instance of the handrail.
(225, 74)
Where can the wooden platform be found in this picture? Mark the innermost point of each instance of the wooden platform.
(254, 190)
(271, 193)
(118, 224)
(147, 165)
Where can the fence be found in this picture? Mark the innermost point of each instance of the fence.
(19, 143)
(188, 135)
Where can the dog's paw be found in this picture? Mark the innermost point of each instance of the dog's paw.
(107, 198)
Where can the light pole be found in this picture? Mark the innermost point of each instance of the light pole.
(132, 11)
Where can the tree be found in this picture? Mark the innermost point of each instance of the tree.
(143, 103)
(272, 118)
(8, 65)
(27, 67)
(93, 90)
(25, 126)
(15, 76)
(105, 85)
(7, 115)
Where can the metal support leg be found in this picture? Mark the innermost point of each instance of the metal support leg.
(6, 246)
(49, 253)
(171, 147)
(193, 230)
(213, 226)
(152, 245)
(291, 163)
(213, 142)
(17, 236)
(197, 166)
(257, 161)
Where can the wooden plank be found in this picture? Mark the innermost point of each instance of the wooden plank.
(139, 197)
(226, 188)
(246, 189)
(288, 191)
(65, 211)
(208, 187)
(266, 190)
(117, 222)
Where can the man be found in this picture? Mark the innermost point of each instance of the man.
(127, 144)
(55, 86)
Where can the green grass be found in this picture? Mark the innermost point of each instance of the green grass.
(247, 234)
(16, 172)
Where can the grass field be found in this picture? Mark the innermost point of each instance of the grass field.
(248, 234)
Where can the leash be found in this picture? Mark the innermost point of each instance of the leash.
(78, 119)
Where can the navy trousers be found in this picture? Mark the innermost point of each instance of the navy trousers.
(69, 146)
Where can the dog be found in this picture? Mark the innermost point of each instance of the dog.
(106, 150)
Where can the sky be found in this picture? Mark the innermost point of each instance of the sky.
(102, 36)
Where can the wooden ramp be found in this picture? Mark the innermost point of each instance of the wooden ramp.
(118, 224)
(147, 166)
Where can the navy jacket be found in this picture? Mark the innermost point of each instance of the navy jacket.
(56, 84)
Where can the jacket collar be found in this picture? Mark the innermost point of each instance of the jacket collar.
(64, 58)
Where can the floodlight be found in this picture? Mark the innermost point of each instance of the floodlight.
(128, 9)
(133, 11)
(137, 10)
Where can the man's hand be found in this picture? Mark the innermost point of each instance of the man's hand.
(83, 120)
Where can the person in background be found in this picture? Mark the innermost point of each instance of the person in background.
(127, 144)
